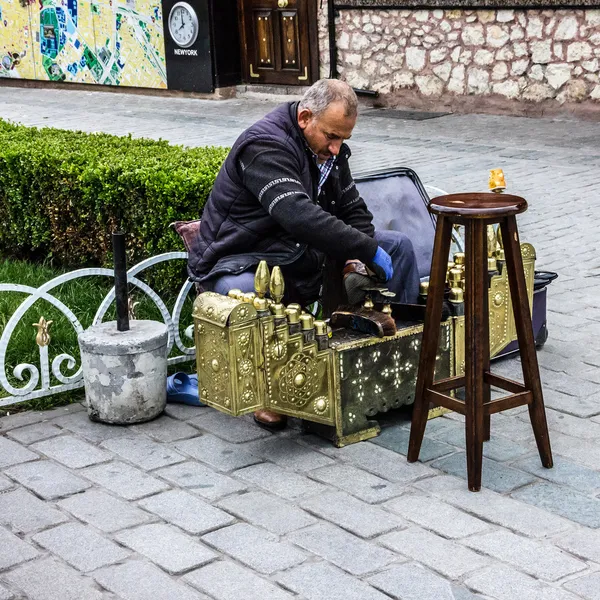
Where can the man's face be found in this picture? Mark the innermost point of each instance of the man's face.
(326, 133)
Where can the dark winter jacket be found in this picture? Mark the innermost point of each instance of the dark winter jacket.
(264, 205)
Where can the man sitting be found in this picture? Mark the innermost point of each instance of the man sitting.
(285, 194)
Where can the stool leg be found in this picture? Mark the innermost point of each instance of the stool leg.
(531, 372)
(477, 350)
(431, 334)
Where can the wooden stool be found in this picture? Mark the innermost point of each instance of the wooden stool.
(476, 211)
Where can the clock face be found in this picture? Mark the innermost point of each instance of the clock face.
(183, 24)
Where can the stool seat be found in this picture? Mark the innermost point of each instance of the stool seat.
(478, 205)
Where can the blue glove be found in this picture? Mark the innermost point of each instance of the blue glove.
(382, 265)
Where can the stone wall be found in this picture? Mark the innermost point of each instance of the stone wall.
(457, 58)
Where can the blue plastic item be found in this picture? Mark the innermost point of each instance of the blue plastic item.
(183, 389)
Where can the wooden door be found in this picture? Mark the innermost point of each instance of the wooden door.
(279, 41)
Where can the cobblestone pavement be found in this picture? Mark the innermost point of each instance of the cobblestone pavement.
(198, 505)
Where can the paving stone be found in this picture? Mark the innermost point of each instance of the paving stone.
(543, 560)
(12, 453)
(187, 511)
(217, 453)
(232, 429)
(578, 407)
(6, 594)
(495, 476)
(165, 429)
(257, 549)
(72, 451)
(225, 580)
(512, 428)
(80, 546)
(92, 431)
(584, 452)
(184, 412)
(289, 454)
(137, 580)
(497, 448)
(47, 479)
(280, 481)
(562, 501)
(396, 440)
(359, 483)
(34, 433)
(581, 542)
(166, 546)
(351, 514)
(271, 513)
(124, 480)
(25, 513)
(48, 579)
(14, 550)
(567, 384)
(384, 463)
(143, 452)
(578, 427)
(322, 581)
(22, 419)
(503, 583)
(436, 516)
(5, 483)
(490, 506)
(587, 587)
(563, 472)
(341, 548)
(204, 481)
(412, 582)
(441, 555)
(104, 512)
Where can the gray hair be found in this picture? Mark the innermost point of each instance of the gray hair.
(324, 92)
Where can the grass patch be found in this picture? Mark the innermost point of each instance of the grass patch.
(82, 296)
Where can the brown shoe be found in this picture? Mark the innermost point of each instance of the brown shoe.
(270, 420)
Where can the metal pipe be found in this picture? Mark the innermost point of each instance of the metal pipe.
(120, 264)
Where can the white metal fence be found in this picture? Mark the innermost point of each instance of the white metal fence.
(37, 377)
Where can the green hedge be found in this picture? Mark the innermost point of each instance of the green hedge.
(63, 192)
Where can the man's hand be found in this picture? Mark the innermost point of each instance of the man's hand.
(382, 265)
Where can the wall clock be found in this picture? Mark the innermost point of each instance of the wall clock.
(183, 24)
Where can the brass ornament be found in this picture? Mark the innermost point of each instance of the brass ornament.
(497, 182)
(43, 337)
(277, 285)
(261, 279)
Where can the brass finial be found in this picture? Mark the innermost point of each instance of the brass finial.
(368, 303)
(261, 279)
(491, 240)
(499, 245)
(235, 294)
(454, 276)
(387, 309)
(307, 322)
(459, 260)
(456, 295)
(277, 285)
(497, 182)
(42, 338)
(260, 304)
(295, 306)
(293, 315)
(248, 297)
(320, 328)
(424, 287)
